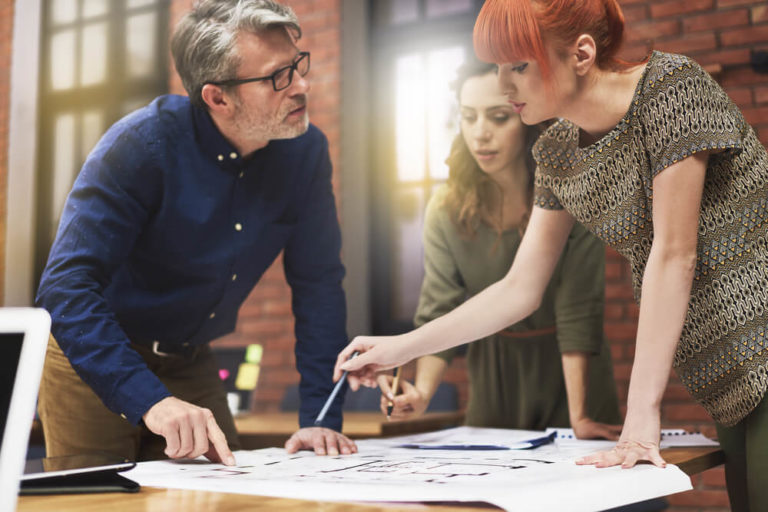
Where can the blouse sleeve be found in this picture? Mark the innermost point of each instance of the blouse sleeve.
(550, 155)
(684, 111)
(442, 289)
(580, 293)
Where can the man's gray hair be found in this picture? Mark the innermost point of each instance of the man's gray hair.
(203, 43)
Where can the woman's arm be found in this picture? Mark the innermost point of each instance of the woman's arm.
(576, 376)
(503, 303)
(665, 292)
(579, 304)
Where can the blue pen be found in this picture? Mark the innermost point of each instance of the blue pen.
(324, 410)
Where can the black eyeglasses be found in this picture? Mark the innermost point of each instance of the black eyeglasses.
(281, 79)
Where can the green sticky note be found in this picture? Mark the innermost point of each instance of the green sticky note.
(253, 354)
(247, 376)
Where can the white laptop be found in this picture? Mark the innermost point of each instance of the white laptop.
(23, 339)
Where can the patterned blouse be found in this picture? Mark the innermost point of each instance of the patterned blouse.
(678, 110)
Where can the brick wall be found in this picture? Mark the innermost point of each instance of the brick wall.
(6, 36)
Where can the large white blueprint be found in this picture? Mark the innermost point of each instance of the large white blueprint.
(540, 480)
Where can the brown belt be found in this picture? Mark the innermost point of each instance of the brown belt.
(528, 334)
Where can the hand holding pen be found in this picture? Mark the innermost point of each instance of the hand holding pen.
(393, 393)
(377, 353)
(410, 403)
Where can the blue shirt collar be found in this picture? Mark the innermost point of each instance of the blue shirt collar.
(212, 143)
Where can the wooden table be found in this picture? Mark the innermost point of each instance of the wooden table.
(275, 428)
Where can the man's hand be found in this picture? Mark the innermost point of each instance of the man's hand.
(410, 404)
(586, 428)
(323, 441)
(187, 430)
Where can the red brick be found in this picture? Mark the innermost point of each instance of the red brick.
(674, 394)
(633, 311)
(286, 377)
(613, 311)
(618, 291)
(741, 96)
(614, 270)
(675, 7)
(279, 309)
(653, 30)
(716, 20)
(263, 327)
(622, 371)
(745, 35)
(761, 94)
(756, 115)
(621, 331)
(685, 412)
(688, 44)
(724, 57)
(732, 3)
(617, 352)
(629, 351)
(635, 13)
(762, 134)
(262, 395)
(741, 76)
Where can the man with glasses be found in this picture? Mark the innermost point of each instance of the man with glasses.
(175, 216)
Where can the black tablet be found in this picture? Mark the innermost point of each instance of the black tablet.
(77, 474)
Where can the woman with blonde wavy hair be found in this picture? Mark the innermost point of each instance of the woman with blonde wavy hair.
(538, 372)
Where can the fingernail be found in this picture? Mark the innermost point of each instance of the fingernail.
(320, 452)
(333, 452)
(230, 461)
(390, 396)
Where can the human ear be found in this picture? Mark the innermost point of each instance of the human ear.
(585, 53)
(214, 97)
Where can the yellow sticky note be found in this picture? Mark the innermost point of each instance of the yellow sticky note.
(253, 354)
(247, 376)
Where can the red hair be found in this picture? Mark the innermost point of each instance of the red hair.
(514, 30)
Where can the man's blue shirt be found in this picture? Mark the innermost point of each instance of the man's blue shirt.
(165, 233)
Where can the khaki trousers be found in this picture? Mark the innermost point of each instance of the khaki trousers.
(75, 421)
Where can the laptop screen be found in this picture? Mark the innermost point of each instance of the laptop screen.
(23, 338)
(10, 353)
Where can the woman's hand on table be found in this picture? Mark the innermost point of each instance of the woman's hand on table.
(639, 441)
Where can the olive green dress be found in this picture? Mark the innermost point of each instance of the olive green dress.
(678, 110)
(516, 376)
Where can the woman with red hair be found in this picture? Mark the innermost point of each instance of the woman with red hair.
(659, 163)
